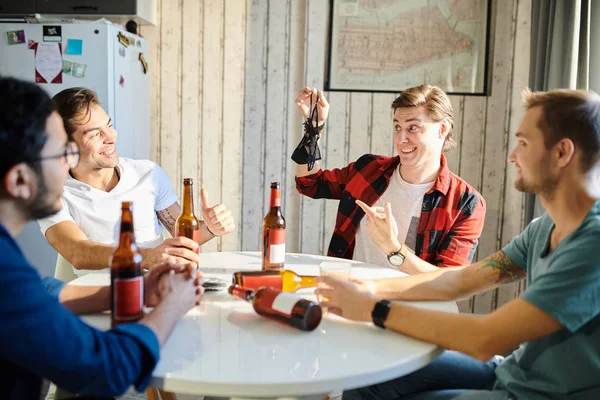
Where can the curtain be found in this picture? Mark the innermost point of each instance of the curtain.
(565, 53)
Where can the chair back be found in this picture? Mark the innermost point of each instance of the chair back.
(64, 270)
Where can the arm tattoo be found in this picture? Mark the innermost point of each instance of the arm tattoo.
(167, 220)
(507, 270)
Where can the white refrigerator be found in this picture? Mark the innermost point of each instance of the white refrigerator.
(97, 55)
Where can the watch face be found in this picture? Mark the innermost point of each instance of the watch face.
(396, 259)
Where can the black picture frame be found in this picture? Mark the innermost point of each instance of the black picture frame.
(480, 89)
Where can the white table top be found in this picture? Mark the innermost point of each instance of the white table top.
(223, 348)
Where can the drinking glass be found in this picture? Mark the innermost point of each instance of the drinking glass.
(337, 269)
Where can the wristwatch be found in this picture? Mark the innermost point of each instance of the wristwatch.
(380, 312)
(397, 258)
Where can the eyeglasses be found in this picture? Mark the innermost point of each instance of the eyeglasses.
(71, 155)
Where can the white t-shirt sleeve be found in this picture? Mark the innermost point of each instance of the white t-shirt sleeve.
(165, 194)
(62, 215)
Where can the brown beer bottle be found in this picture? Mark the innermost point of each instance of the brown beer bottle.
(273, 243)
(283, 307)
(126, 275)
(187, 224)
(284, 280)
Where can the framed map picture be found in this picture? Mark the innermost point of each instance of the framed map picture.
(391, 45)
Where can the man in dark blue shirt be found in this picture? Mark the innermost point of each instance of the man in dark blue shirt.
(40, 334)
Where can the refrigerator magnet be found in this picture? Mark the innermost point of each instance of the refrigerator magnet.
(123, 39)
(122, 51)
(144, 63)
(52, 33)
(122, 81)
(15, 37)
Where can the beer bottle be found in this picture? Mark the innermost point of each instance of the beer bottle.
(273, 243)
(126, 276)
(187, 224)
(284, 280)
(283, 307)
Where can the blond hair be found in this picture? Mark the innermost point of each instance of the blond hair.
(436, 103)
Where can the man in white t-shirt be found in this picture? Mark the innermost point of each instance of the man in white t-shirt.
(86, 230)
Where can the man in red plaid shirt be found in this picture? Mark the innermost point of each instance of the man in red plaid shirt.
(438, 215)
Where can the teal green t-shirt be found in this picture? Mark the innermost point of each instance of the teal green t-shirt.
(565, 284)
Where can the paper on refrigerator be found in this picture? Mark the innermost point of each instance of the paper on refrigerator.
(48, 62)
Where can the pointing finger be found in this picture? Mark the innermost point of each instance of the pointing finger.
(368, 210)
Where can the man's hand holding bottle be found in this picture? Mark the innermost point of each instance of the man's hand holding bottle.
(177, 250)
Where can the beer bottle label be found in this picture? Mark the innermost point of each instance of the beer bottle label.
(254, 282)
(284, 303)
(195, 235)
(276, 241)
(128, 298)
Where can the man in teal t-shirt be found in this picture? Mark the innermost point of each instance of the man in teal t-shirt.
(555, 322)
(564, 283)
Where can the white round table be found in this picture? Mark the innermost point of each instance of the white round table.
(223, 348)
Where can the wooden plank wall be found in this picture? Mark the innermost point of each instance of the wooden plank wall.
(197, 73)
(224, 76)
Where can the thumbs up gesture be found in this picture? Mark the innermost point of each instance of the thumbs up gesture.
(217, 218)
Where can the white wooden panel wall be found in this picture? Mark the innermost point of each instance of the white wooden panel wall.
(296, 80)
(232, 114)
(312, 220)
(254, 124)
(514, 202)
(197, 55)
(224, 77)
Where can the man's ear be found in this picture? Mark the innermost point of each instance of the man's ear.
(19, 181)
(565, 151)
(444, 129)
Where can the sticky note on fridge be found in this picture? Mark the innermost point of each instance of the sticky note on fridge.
(74, 46)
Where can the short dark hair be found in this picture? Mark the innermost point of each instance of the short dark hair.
(24, 112)
(571, 114)
(74, 105)
(436, 103)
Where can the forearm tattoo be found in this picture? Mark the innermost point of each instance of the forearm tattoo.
(167, 220)
(507, 270)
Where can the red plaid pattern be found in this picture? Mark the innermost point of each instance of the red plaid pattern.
(451, 219)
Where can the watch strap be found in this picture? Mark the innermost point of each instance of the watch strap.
(380, 312)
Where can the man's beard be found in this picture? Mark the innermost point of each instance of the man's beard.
(545, 187)
(40, 206)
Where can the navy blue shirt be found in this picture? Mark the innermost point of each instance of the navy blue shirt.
(39, 338)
